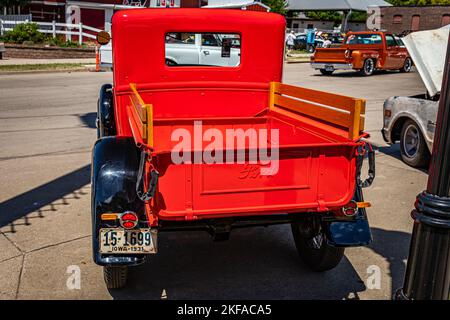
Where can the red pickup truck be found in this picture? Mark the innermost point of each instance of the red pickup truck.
(364, 51)
(185, 147)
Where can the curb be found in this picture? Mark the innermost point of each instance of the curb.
(69, 70)
(297, 61)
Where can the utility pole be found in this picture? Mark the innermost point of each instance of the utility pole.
(427, 272)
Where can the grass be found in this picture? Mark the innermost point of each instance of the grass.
(41, 67)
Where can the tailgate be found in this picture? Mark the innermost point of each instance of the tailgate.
(330, 55)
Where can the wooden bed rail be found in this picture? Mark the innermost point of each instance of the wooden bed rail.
(339, 110)
(140, 116)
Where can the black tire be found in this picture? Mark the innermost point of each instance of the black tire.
(319, 257)
(368, 67)
(326, 72)
(105, 122)
(413, 148)
(115, 276)
(407, 64)
(170, 63)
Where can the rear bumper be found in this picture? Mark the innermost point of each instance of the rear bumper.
(336, 66)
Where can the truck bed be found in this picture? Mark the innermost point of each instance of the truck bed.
(330, 55)
(316, 172)
(318, 136)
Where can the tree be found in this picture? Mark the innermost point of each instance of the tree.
(336, 16)
(277, 6)
(13, 3)
(10, 5)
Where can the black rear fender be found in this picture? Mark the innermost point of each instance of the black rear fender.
(115, 165)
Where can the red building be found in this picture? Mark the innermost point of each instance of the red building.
(46, 10)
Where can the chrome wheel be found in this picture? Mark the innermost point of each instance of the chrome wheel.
(407, 65)
(413, 146)
(411, 141)
(368, 66)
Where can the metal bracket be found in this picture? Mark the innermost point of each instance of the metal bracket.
(154, 175)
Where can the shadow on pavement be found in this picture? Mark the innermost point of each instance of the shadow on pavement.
(394, 247)
(355, 74)
(89, 119)
(394, 152)
(62, 188)
(256, 263)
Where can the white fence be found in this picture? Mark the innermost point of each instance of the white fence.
(55, 28)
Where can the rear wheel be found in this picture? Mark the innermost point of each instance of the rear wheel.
(115, 276)
(326, 72)
(368, 67)
(170, 63)
(413, 147)
(312, 246)
(406, 65)
(105, 122)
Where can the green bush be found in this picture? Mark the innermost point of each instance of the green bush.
(58, 41)
(70, 44)
(25, 32)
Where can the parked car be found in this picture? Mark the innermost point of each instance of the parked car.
(200, 49)
(365, 52)
(400, 42)
(412, 120)
(300, 43)
(336, 39)
(191, 49)
(164, 159)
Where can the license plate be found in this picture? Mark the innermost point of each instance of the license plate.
(329, 68)
(120, 241)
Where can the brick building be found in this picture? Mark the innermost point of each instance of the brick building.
(398, 19)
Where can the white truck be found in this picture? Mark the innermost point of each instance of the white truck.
(193, 49)
(412, 120)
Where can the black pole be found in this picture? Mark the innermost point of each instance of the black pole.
(427, 272)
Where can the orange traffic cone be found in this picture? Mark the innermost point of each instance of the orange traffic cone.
(97, 58)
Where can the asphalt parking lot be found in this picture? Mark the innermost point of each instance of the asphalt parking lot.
(47, 129)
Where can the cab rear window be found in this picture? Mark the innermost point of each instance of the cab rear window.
(363, 39)
(183, 49)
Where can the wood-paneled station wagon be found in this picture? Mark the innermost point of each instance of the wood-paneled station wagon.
(215, 146)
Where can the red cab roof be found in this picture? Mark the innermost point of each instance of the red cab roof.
(138, 38)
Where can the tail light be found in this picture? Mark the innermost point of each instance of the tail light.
(347, 54)
(350, 209)
(128, 220)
